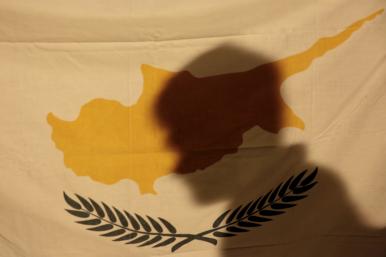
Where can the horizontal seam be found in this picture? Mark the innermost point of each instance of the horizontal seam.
(280, 32)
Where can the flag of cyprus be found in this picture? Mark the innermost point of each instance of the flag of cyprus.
(192, 128)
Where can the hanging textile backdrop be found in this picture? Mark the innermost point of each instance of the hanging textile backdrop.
(192, 128)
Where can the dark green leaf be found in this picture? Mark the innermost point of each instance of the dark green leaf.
(85, 203)
(71, 202)
(97, 208)
(303, 189)
(151, 241)
(258, 219)
(263, 201)
(117, 232)
(155, 224)
(166, 242)
(90, 222)
(139, 239)
(233, 214)
(109, 212)
(169, 226)
(121, 217)
(222, 234)
(292, 198)
(282, 205)
(143, 222)
(133, 221)
(284, 188)
(80, 214)
(297, 179)
(126, 237)
(274, 194)
(253, 206)
(270, 212)
(236, 229)
(247, 224)
(243, 210)
(218, 221)
(310, 178)
(102, 228)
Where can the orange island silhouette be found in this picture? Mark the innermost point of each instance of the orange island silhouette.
(109, 142)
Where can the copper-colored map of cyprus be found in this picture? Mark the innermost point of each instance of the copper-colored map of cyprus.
(182, 123)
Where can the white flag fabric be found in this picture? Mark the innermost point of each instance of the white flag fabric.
(201, 128)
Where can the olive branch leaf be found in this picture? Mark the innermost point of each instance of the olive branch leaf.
(133, 228)
(263, 208)
(125, 226)
(251, 215)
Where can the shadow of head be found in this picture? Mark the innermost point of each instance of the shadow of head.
(209, 111)
(206, 115)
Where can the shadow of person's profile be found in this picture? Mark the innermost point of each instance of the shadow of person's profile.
(225, 128)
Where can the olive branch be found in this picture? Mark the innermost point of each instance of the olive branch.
(136, 229)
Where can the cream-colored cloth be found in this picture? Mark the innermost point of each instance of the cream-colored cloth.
(58, 57)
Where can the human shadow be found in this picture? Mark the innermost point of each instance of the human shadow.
(225, 124)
